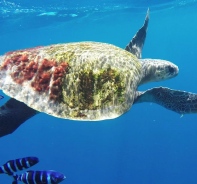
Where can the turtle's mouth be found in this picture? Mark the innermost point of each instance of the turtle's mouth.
(173, 70)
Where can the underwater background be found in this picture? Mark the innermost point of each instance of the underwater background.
(147, 145)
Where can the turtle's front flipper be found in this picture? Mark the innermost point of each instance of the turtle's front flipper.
(181, 102)
(136, 44)
(12, 115)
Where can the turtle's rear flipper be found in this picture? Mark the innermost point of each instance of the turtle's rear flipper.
(12, 115)
(181, 102)
(135, 46)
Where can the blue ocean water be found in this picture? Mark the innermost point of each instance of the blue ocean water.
(148, 144)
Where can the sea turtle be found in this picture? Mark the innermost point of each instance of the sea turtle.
(84, 81)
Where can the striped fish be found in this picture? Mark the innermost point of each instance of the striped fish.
(12, 166)
(39, 177)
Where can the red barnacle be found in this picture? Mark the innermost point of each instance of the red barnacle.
(35, 66)
(41, 82)
(56, 82)
(56, 76)
(45, 78)
(23, 58)
(29, 71)
(60, 70)
(28, 76)
(47, 64)
(32, 66)
(6, 63)
(64, 65)
(16, 59)
(36, 86)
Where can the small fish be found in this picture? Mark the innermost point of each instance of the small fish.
(12, 166)
(39, 177)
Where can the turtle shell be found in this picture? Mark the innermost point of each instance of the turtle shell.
(83, 80)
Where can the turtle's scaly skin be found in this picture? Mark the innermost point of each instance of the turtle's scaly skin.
(86, 81)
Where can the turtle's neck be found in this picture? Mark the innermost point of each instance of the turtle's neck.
(154, 70)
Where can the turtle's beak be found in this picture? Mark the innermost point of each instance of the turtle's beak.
(173, 70)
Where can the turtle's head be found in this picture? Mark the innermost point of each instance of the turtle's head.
(156, 70)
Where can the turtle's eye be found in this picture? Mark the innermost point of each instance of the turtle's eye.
(171, 69)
